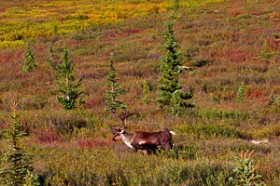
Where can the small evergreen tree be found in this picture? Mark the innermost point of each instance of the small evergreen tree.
(240, 93)
(29, 60)
(112, 103)
(265, 52)
(51, 50)
(51, 61)
(170, 94)
(244, 172)
(19, 163)
(68, 88)
(273, 98)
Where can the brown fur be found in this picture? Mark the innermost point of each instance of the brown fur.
(147, 140)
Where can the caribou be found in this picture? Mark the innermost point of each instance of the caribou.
(145, 141)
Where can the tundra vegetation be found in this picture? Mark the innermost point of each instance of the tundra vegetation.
(231, 47)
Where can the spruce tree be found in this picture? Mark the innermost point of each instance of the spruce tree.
(112, 103)
(68, 90)
(29, 59)
(50, 60)
(170, 95)
(18, 162)
(244, 172)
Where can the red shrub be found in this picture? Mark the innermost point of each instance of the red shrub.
(254, 94)
(257, 95)
(274, 44)
(111, 33)
(46, 136)
(148, 41)
(234, 13)
(131, 31)
(212, 74)
(237, 55)
(234, 55)
(96, 100)
(5, 57)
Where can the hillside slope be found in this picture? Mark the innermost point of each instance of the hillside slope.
(233, 49)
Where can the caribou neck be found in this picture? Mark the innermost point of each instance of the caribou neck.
(127, 139)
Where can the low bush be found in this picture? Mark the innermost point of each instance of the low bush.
(201, 62)
(270, 131)
(250, 147)
(184, 152)
(26, 102)
(218, 130)
(104, 167)
(244, 16)
(211, 114)
(67, 122)
(32, 102)
(209, 175)
(191, 52)
(46, 136)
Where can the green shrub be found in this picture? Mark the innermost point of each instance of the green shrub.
(211, 114)
(250, 147)
(218, 130)
(184, 152)
(36, 179)
(105, 167)
(244, 16)
(117, 178)
(207, 175)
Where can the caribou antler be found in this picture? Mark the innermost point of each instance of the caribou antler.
(123, 116)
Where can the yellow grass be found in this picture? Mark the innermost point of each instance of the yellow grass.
(28, 19)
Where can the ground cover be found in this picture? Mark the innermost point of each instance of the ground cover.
(233, 51)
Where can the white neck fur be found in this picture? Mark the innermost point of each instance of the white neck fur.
(126, 141)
